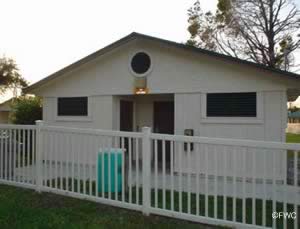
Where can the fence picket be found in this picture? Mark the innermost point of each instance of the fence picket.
(19, 153)
(189, 174)
(103, 149)
(137, 171)
(284, 193)
(164, 173)
(68, 159)
(296, 183)
(116, 168)
(215, 182)
(234, 155)
(27, 154)
(123, 169)
(172, 175)
(274, 203)
(156, 174)
(15, 155)
(73, 163)
(39, 147)
(264, 188)
(180, 175)
(84, 153)
(254, 187)
(206, 179)
(244, 209)
(146, 170)
(225, 184)
(109, 151)
(9, 154)
(96, 160)
(33, 159)
(197, 152)
(130, 169)
(56, 139)
(5, 158)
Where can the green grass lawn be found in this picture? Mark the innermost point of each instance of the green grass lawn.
(21, 208)
(292, 138)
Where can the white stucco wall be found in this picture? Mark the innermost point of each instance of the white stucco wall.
(100, 113)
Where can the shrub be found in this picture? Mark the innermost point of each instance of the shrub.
(26, 110)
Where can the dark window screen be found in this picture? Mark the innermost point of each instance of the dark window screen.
(140, 63)
(231, 105)
(75, 106)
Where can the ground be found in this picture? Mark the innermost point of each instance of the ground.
(21, 208)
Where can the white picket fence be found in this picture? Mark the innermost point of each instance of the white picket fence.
(228, 182)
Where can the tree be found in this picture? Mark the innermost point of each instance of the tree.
(262, 31)
(26, 110)
(10, 77)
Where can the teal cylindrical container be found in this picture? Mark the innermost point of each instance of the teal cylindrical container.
(115, 156)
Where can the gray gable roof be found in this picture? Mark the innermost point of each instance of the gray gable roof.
(134, 36)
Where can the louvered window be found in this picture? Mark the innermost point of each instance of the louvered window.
(72, 106)
(231, 104)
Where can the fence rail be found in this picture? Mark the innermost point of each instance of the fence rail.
(226, 182)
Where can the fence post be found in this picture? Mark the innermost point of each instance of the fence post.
(146, 162)
(38, 159)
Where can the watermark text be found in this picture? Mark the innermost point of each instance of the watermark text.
(284, 215)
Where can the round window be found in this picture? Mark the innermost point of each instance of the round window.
(140, 63)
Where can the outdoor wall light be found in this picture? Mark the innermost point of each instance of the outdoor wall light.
(141, 91)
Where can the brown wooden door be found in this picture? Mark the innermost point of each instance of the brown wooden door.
(126, 118)
(126, 115)
(164, 117)
(164, 124)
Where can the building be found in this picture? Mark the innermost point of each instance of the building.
(185, 89)
(5, 110)
(172, 88)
